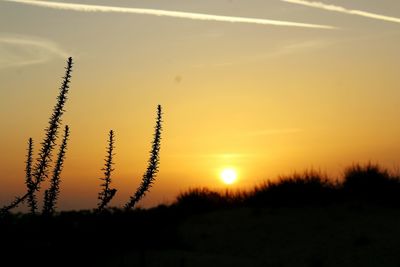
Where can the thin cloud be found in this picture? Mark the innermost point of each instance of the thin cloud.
(343, 10)
(275, 131)
(165, 13)
(216, 155)
(277, 51)
(18, 51)
(297, 47)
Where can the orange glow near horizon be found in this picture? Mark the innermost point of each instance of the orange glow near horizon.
(262, 100)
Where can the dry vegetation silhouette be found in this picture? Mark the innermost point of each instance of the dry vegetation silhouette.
(304, 219)
(39, 173)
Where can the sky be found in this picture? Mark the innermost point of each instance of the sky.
(267, 87)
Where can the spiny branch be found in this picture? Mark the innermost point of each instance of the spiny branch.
(51, 194)
(107, 193)
(152, 168)
(32, 202)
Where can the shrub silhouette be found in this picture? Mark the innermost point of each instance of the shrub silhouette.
(40, 170)
(365, 178)
(370, 182)
(200, 198)
(306, 188)
(51, 194)
(203, 199)
(107, 193)
(152, 168)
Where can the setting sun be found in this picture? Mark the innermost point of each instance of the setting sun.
(229, 176)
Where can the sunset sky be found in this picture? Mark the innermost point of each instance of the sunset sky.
(266, 87)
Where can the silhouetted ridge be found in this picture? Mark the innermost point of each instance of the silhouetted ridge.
(201, 198)
(369, 183)
(307, 188)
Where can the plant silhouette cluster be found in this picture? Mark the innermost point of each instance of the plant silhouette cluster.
(35, 175)
(148, 178)
(40, 171)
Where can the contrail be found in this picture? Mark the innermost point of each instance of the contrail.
(165, 13)
(343, 10)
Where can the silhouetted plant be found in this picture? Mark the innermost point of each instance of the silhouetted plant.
(309, 187)
(40, 171)
(107, 193)
(32, 203)
(152, 168)
(371, 182)
(51, 194)
(201, 199)
(365, 178)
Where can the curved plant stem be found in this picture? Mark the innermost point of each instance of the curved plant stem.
(51, 194)
(107, 193)
(32, 202)
(152, 168)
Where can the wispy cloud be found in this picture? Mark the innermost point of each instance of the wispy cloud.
(297, 47)
(226, 156)
(275, 131)
(344, 10)
(165, 13)
(281, 50)
(16, 51)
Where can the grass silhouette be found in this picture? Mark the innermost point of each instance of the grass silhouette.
(310, 187)
(369, 181)
(362, 183)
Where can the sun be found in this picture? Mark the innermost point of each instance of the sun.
(228, 176)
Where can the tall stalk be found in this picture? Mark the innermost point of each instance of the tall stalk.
(51, 194)
(32, 202)
(107, 193)
(152, 168)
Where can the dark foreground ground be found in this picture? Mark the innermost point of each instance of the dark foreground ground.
(303, 221)
(333, 235)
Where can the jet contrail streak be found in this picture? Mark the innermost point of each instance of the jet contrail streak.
(165, 13)
(343, 10)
